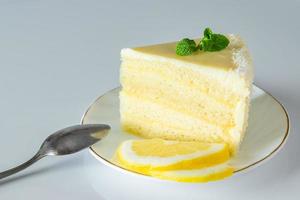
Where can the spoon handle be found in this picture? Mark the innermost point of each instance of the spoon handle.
(14, 170)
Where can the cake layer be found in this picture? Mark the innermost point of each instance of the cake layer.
(228, 90)
(152, 120)
(179, 97)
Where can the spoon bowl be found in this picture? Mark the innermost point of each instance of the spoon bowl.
(73, 139)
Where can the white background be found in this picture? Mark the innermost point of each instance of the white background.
(57, 56)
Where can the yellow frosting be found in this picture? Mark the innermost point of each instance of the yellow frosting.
(221, 59)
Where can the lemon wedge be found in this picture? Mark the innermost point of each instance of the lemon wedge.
(175, 160)
(212, 173)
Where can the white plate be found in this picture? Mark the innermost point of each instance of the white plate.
(266, 134)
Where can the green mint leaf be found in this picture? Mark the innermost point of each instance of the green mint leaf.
(185, 47)
(210, 42)
(207, 33)
(216, 42)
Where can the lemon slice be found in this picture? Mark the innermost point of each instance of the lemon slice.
(212, 173)
(149, 155)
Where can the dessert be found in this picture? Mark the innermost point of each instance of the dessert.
(198, 95)
(175, 160)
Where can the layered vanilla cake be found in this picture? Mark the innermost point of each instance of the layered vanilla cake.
(200, 97)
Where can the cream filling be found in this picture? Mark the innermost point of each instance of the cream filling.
(152, 120)
(178, 97)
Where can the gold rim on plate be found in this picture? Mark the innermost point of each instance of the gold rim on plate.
(239, 170)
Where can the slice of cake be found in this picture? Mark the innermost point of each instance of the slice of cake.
(202, 97)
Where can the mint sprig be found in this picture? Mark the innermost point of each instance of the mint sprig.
(186, 47)
(210, 42)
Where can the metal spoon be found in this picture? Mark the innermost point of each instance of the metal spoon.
(65, 141)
